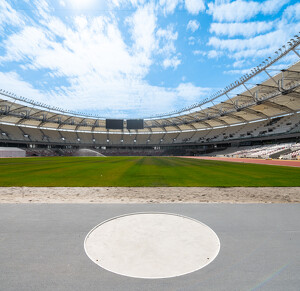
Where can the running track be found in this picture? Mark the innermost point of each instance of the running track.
(251, 161)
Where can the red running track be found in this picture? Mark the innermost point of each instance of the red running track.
(251, 161)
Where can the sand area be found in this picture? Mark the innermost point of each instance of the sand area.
(149, 195)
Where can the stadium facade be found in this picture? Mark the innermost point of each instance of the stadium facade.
(246, 112)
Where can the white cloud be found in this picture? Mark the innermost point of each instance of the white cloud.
(8, 15)
(143, 24)
(166, 6)
(237, 72)
(62, 3)
(169, 6)
(272, 6)
(211, 54)
(93, 57)
(237, 44)
(190, 92)
(134, 3)
(193, 25)
(244, 29)
(120, 99)
(12, 82)
(239, 64)
(199, 52)
(233, 11)
(173, 62)
(239, 10)
(41, 8)
(258, 46)
(191, 40)
(166, 40)
(30, 43)
(100, 71)
(194, 6)
(167, 33)
(292, 12)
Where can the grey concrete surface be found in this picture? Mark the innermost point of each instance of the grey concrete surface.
(41, 247)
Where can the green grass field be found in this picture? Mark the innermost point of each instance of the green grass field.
(141, 172)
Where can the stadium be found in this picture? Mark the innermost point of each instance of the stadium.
(205, 197)
(258, 121)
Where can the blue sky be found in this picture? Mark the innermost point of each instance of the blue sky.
(135, 58)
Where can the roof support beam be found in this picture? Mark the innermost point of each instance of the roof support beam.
(270, 76)
(290, 71)
(35, 113)
(64, 122)
(268, 86)
(18, 108)
(296, 52)
(253, 97)
(230, 99)
(96, 124)
(192, 126)
(80, 123)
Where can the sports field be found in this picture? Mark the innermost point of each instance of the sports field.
(141, 172)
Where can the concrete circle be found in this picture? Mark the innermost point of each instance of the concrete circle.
(152, 245)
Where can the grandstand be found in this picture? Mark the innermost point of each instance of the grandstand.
(261, 120)
(282, 151)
